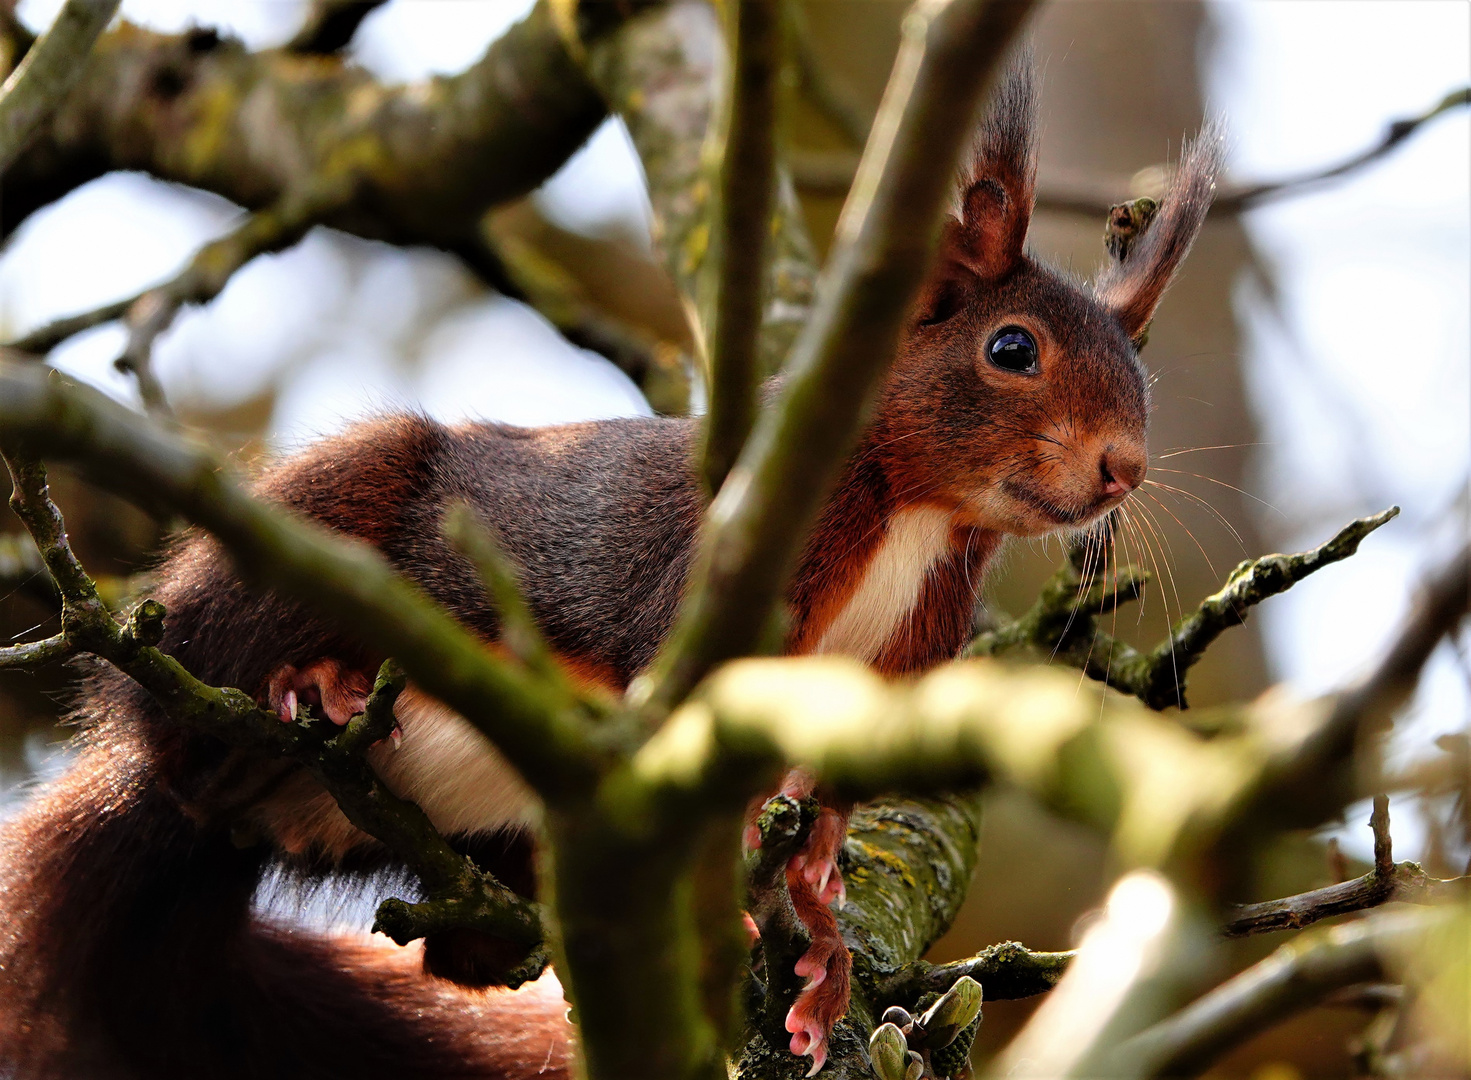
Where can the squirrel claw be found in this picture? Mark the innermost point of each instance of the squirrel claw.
(325, 684)
(808, 1040)
(753, 932)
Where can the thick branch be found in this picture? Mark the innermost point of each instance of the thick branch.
(346, 580)
(423, 162)
(1063, 623)
(1295, 977)
(742, 223)
(37, 87)
(882, 250)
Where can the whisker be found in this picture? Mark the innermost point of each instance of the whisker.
(1169, 625)
(1205, 503)
(1167, 550)
(1197, 449)
(1233, 487)
(1208, 562)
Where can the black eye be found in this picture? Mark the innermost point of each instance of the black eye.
(1013, 349)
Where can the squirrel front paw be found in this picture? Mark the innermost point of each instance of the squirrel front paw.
(817, 862)
(325, 684)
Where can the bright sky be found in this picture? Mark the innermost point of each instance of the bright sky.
(1360, 373)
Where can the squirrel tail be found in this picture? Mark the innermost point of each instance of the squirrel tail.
(128, 949)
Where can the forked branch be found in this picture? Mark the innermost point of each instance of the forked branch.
(1387, 882)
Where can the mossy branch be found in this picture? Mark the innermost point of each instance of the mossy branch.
(1006, 971)
(1063, 622)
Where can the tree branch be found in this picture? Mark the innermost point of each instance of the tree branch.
(832, 172)
(879, 259)
(1006, 971)
(52, 66)
(151, 312)
(659, 72)
(1388, 881)
(1313, 777)
(329, 26)
(423, 162)
(1063, 622)
(1298, 975)
(742, 224)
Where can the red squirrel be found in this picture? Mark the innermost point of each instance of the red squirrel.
(1016, 406)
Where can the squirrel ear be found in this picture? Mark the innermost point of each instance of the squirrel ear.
(998, 184)
(1132, 282)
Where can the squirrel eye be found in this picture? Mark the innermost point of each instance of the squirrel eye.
(1013, 349)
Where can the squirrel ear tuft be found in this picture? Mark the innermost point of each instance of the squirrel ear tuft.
(1131, 284)
(998, 183)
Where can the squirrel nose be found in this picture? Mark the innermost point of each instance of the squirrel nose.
(1120, 471)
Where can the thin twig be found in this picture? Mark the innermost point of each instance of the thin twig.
(832, 172)
(1249, 196)
(1387, 881)
(882, 250)
(741, 230)
(1063, 622)
(151, 312)
(50, 69)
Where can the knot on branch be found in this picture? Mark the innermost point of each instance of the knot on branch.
(145, 624)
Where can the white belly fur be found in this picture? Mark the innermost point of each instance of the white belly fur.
(914, 540)
(442, 763)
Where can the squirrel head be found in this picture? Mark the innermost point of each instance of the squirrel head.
(1017, 396)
